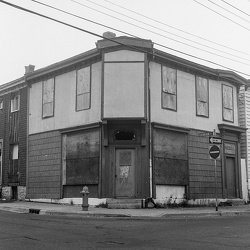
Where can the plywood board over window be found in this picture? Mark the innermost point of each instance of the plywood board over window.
(81, 157)
(227, 102)
(170, 157)
(48, 97)
(169, 88)
(202, 105)
(83, 87)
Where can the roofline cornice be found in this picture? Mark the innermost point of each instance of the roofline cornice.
(61, 66)
(190, 66)
(12, 84)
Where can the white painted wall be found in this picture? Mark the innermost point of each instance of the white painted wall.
(123, 56)
(124, 90)
(247, 113)
(124, 84)
(244, 180)
(65, 115)
(170, 192)
(186, 102)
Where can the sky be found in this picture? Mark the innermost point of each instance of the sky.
(214, 33)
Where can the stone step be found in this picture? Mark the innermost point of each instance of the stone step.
(124, 206)
(124, 203)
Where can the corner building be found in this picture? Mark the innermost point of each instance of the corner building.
(130, 121)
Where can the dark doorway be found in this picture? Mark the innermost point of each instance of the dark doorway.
(230, 177)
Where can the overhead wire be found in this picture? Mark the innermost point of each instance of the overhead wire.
(167, 25)
(117, 29)
(106, 26)
(236, 8)
(222, 15)
(221, 56)
(229, 11)
(114, 41)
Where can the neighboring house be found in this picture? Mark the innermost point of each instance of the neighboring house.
(13, 139)
(130, 121)
(244, 114)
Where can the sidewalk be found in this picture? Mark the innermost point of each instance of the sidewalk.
(76, 210)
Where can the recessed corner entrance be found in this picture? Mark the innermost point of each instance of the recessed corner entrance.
(125, 173)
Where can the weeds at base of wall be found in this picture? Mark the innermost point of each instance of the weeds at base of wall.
(172, 203)
(184, 203)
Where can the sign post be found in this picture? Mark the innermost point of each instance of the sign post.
(214, 152)
(216, 195)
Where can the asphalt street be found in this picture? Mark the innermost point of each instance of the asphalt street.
(31, 231)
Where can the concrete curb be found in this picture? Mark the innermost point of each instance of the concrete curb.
(164, 215)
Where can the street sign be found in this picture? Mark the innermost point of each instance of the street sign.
(214, 151)
(214, 140)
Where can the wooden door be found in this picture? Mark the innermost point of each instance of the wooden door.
(230, 177)
(125, 173)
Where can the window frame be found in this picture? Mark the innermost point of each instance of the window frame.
(196, 96)
(12, 106)
(165, 92)
(223, 107)
(84, 93)
(1, 104)
(53, 97)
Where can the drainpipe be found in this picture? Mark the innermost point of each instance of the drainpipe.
(28, 69)
(150, 137)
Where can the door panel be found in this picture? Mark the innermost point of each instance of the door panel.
(125, 173)
(230, 177)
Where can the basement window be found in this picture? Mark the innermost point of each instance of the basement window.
(125, 136)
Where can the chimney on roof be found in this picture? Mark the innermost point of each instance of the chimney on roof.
(109, 35)
(30, 68)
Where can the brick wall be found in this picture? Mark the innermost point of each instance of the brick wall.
(201, 168)
(44, 169)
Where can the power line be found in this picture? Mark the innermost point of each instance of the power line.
(161, 34)
(49, 6)
(169, 33)
(229, 11)
(167, 25)
(222, 15)
(106, 26)
(236, 7)
(114, 41)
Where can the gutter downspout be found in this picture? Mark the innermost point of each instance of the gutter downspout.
(150, 137)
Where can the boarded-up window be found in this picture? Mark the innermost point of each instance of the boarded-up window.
(81, 157)
(228, 111)
(48, 97)
(170, 157)
(15, 103)
(202, 97)
(83, 89)
(169, 88)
